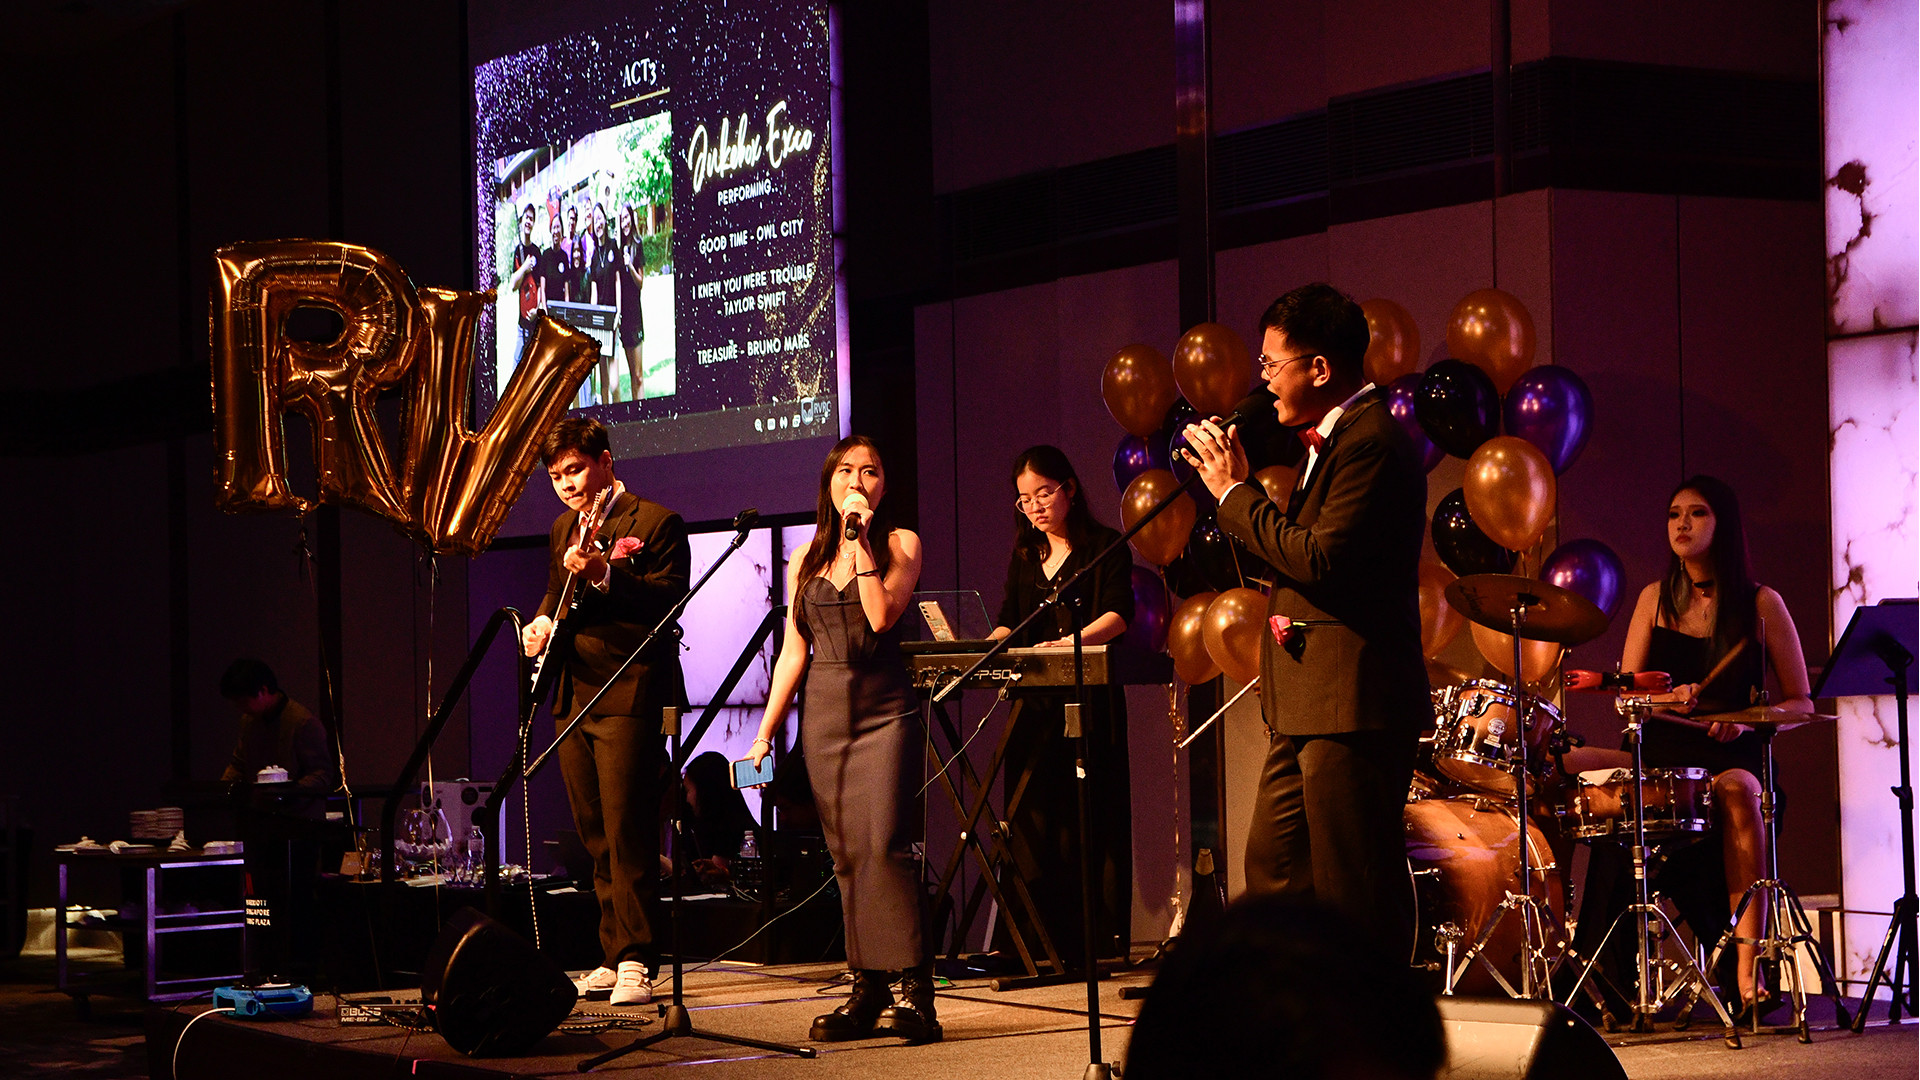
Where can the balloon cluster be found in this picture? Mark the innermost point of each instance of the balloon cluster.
(1460, 406)
(1217, 627)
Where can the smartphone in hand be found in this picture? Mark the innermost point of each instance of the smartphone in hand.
(746, 776)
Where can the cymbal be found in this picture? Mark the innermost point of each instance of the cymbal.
(1551, 612)
(1767, 716)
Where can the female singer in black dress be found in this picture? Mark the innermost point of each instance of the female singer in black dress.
(1054, 536)
(1714, 629)
(862, 739)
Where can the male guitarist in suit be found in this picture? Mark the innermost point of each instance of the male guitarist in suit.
(1343, 689)
(607, 587)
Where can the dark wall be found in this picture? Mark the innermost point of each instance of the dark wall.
(147, 141)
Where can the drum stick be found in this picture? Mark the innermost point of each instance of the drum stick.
(1718, 669)
(1217, 714)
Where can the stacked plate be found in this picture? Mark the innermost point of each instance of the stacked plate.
(158, 824)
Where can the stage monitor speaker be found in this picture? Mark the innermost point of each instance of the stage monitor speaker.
(489, 991)
(1498, 1039)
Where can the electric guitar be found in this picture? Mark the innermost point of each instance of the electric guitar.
(591, 523)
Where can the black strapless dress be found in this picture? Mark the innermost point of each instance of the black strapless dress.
(863, 745)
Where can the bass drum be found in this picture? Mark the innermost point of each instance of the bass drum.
(1463, 855)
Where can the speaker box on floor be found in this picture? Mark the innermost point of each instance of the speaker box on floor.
(489, 991)
(1498, 1039)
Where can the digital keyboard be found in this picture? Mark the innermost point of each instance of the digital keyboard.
(935, 663)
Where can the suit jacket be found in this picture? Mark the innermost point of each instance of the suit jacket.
(1347, 550)
(607, 626)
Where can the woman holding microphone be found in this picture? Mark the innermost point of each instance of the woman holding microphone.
(863, 740)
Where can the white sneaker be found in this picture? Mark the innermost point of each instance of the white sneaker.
(630, 986)
(600, 979)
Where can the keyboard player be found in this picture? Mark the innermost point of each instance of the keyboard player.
(1054, 536)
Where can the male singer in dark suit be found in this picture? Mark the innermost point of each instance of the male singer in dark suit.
(626, 578)
(1345, 694)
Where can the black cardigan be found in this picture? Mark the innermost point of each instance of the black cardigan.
(1109, 587)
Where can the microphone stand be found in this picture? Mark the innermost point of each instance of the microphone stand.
(1097, 1069)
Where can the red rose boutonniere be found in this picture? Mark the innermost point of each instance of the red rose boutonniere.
(626, 547)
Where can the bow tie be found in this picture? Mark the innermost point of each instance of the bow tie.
(1313, 438)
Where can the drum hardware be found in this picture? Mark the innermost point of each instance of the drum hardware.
(1446, 939)
(1538, 611)
(1650, 960)
(1787, 926)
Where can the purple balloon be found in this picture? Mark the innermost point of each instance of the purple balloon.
(1551, 408)
(1400, 394)
(1135, 455)
(1152, 611)
(1587, 568)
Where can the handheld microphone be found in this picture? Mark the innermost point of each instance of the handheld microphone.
(1657, 682)
(745, 520)
(1254, 404)
(851, 516)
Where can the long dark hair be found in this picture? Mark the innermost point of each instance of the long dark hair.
(826, 518)
(1051, 464)
(1733, 584)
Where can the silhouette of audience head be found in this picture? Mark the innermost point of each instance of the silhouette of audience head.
(1282, 987)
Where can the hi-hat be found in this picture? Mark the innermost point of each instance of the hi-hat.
(1767, 716)
(1550, 613)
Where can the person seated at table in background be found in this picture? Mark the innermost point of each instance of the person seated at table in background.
(1717, 632)
(277, 730)
(716, 821)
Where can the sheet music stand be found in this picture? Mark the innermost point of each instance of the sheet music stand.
(1876, 652)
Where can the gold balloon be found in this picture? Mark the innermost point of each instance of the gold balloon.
(1212, 368)
(1186, 640)
(1235, 623)
(259, 372)
(1492, 331)
(459, 484)
(1278, 482)
(1439, 622)
(1393, 347)
(1510, 491)
(1162, 540)
(1537, 658)
(454, 487)
(1137, 385)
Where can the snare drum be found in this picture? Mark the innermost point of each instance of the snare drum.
(1476, 741)
(1678, 801)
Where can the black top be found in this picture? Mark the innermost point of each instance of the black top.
(556, 272)
(288, 736)
(1108, 587)
(1688, 659)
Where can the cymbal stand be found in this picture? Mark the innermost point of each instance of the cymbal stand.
(1644, 912)
(1787, 926)
(1536, 970)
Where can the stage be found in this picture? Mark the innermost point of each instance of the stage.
(1006, 1036)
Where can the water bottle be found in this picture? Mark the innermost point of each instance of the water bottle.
(476, 868)
(748, 849)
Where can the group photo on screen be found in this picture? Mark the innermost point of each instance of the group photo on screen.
(584, 231)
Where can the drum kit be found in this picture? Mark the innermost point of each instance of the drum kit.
(1486, 882)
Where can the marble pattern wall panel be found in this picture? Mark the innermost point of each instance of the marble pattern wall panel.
(1872, 165)
(1875, 538)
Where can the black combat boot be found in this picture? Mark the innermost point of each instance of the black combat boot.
(912, 1017)
(854, 1018)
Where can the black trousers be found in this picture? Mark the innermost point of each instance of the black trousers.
(1043, 820)
(1327, 825)
(614, 769)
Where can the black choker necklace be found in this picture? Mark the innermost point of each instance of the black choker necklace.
(1704, 586)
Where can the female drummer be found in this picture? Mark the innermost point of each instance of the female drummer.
(1055, 535)
(862, 740)
(1714, 629)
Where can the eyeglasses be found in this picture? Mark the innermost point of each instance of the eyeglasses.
(1269, 368)
(1027, 502)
